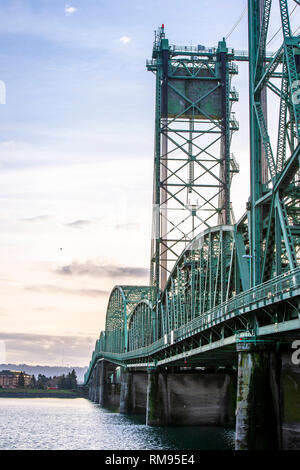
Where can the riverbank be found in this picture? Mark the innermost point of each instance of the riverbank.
(35, 393)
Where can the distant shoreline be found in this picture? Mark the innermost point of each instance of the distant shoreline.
(33, 393)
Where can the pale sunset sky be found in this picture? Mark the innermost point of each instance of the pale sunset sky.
(76, 159)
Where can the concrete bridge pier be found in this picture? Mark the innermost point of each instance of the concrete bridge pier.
(102, 384)
(157, 403)
(133, 395)
(92, 389)
(125, 392)
(258, 421)
(96, 392)
(190, 397)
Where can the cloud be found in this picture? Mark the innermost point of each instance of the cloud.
(128, 226)
(80, 223)
(39, 218)
(47, 288)
(8, 143)
(125, 39)
(90, 268)
(69, 10)
(46, 349)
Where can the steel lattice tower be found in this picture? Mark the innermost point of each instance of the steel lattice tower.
(193, 165)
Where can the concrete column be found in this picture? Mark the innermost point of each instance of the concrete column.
(258, 398)
(97, 388)
(126, 392)
(157, 397)
(103, 392)
(92, 389)
(93, 386)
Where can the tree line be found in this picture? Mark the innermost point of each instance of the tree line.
(62, 382)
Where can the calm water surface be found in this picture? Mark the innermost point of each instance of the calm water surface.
(55, 423)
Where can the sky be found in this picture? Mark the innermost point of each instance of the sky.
(76, 159)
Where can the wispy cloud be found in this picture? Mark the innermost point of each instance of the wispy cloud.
(8, 143)
(128, 226)
(90, 268)
(125, 39)
(47, 288)
(80, 223)
(39, 218)
(69, 10)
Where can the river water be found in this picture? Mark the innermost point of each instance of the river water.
(56, 423)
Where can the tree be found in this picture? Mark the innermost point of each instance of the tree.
(21, 381)
(61, 382)
(73, 379)
(42, 382)
(33, 382)
(67, 382)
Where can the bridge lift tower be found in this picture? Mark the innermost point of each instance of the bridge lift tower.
(193, 166)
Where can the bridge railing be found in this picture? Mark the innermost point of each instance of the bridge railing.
(279, 285)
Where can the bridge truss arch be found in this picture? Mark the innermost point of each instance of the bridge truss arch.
(121, 304)
(140, 325)
(205, 275)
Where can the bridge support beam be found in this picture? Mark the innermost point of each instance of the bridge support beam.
(258, 422)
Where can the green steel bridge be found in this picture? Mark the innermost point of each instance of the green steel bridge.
(190, 332)
(217, 285)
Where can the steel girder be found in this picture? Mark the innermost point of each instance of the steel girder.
(275, 203)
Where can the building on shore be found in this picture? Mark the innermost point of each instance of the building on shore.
(11, 378)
